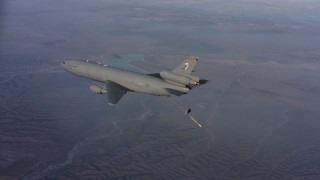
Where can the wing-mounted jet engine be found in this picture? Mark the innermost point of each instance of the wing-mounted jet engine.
(98, 89)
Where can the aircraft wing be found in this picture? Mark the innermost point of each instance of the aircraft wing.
(115, 92)
(186, 66)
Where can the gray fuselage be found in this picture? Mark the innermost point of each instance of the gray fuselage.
(133, 81)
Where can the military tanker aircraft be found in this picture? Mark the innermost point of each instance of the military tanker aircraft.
(117, 82)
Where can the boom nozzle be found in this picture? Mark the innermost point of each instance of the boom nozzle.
(187, 112)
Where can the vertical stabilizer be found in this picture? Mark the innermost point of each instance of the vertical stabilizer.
(186, 66)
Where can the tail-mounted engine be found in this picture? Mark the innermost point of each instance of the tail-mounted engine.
(185, 79)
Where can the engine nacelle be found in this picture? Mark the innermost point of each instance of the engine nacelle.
(181, 79)
(98, 89)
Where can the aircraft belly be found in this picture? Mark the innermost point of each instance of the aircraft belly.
(147, 88)
(140, 83)
(97, 73)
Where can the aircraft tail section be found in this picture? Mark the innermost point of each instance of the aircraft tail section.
(186, 67)
(182, 73)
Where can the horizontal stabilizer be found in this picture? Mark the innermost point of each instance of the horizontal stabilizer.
(203, 81)
(174, 92)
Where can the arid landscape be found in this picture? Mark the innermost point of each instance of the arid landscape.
(260, 110)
